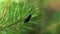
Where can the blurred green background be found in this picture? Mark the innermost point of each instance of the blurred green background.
(45, 16)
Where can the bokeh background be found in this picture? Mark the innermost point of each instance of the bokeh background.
(45, 16)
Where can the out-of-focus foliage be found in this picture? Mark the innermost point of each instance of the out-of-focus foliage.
(14, 12)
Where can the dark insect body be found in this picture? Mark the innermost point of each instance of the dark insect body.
(27, 19)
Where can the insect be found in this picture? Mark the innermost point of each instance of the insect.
(27, 19)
